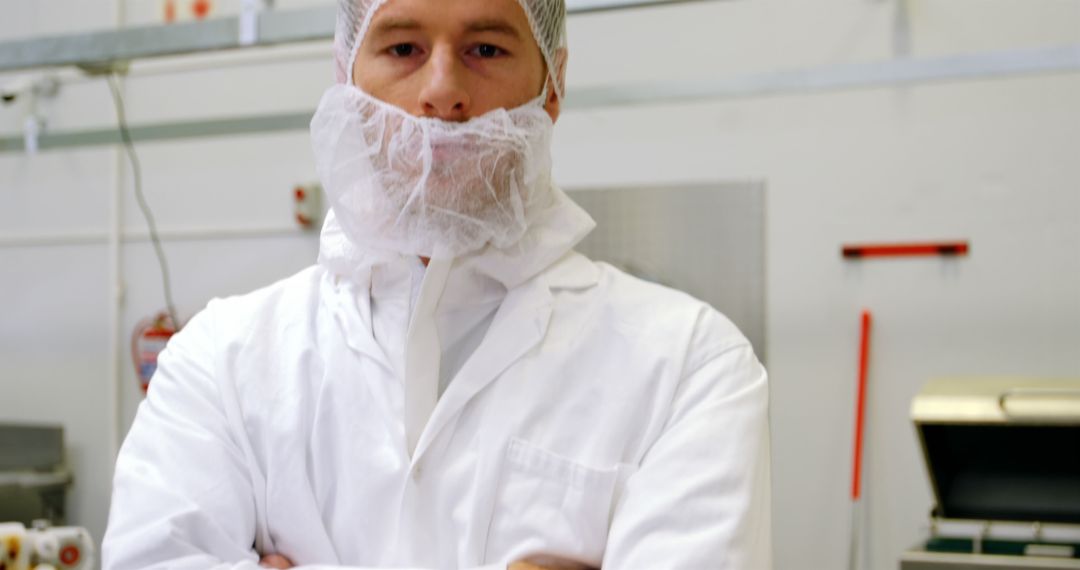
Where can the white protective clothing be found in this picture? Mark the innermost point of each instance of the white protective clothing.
(601, 420)
(429, 187)
(511, 401)
(547, 18)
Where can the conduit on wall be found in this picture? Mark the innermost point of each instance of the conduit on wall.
(892, 73)
(105, 49)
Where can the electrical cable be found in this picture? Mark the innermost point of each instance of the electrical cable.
(136, 169)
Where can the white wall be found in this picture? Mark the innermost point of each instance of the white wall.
(992, 161)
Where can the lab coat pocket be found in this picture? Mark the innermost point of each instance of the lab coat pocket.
(548, 505)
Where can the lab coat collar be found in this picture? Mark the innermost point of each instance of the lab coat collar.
(547, 245)
(553, 234)
(529, 270)
(520, 323)
(573, 271)
(335, 293)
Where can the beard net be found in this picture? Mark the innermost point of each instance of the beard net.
(427, 187)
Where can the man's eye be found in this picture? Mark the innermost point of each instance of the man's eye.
(488, 51)
(403, 50)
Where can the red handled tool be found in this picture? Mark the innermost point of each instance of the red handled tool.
(860, 422)
(950, 248)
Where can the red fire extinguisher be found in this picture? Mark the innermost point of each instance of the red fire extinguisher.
(149, 339)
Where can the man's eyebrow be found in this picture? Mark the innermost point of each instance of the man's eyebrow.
(495, 26)
(391, 24)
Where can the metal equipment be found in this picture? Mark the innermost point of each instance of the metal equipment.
(33, 474)
(1003, 456)
(44, 547)
(705, 239)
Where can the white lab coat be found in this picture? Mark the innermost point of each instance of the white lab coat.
(601, 420)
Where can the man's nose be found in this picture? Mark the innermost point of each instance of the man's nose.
(444, 95)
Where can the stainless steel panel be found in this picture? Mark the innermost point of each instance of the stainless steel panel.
(707, 240)
(26, 448)
(33, 478)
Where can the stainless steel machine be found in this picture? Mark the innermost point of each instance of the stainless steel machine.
(1003, 457)
(44, 547)
(34, 477)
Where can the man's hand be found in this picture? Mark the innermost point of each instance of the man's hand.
(279, 561)
(524, 566)
(545, 564)
(275, 561)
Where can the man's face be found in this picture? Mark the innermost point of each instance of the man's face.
(452, 59)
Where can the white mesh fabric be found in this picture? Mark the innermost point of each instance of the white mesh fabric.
(547, 18)
(423, 186)
(548, 21)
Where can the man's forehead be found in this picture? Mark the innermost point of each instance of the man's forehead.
(506, 17)
(392, 23)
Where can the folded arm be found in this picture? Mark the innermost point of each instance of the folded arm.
(183, 493)
(700, 498)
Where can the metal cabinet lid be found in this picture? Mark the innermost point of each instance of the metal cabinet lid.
(999, 400)
(1002, 448)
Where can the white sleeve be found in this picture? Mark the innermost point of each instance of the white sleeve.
(322, 567)
(182, 492)
(701, 495)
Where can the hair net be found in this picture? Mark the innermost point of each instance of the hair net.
(547, 18)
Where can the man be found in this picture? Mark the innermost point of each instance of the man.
(451, 386)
